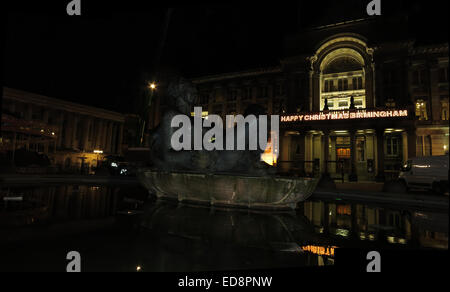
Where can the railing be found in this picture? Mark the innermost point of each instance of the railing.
(340, 164)
(299, 167)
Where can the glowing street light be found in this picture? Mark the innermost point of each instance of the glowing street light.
(152, 86)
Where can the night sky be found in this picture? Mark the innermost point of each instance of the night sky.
(104, 57)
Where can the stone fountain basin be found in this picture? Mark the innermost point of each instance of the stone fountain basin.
(265, 192)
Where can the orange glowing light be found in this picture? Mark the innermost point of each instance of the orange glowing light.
(269, 156)
(320, 250)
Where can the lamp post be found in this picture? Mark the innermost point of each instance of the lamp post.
(146, 113)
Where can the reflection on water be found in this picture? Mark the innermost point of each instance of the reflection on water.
(119, 229)
(355, 224)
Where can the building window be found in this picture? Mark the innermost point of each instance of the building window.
(204, 97)
(37, 114)
(343, 104)
(279, 89)
(232, 94)
(357, 83)
(443, 75)
(340, 84)
(264, 91)
(330, 85)
(247, 93)
(327, 86)
(421, 110)
(91, 131)
(231, 108)
(419, 77)
(444, 110)
(390, 103)
(345, 84)
(78, 131)
(218, 109)
(343, 153)
(392, 146)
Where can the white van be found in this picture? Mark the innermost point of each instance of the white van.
(429, 172)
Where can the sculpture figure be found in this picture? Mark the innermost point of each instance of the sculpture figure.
(181, 95)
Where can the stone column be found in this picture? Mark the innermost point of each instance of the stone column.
(311, 90)
(120, 140)
(369, 85)
(73, 136)
(316, 91)
(69, 131)
(380, 154)
(301, 142)
(114, 139)
(99, 135)
(28, 112)
(46, 147)
(105, 135)
(353, 176)
(412, 139)
(333, 154)
(60, 123)
(309, 144)
(326, 150)
(86, 133)
(45, 116)
(109, 137)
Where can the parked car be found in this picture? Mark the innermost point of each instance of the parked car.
(429, 172)
(116, 165)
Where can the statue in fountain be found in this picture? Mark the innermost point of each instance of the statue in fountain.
(181, 96)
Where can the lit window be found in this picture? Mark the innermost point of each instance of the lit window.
(421, 109)
(355, 83)
(343, 104)
(444, 110)
(330, 85)
(359, 103)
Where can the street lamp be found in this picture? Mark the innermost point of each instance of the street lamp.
(146, 113)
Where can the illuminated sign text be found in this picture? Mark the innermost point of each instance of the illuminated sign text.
(345, 115)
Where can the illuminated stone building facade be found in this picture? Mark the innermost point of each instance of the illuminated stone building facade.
(355, 99)
(70, 134)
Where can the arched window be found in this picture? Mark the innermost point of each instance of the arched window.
(342, 76)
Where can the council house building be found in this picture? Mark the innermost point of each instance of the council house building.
(355, 99)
